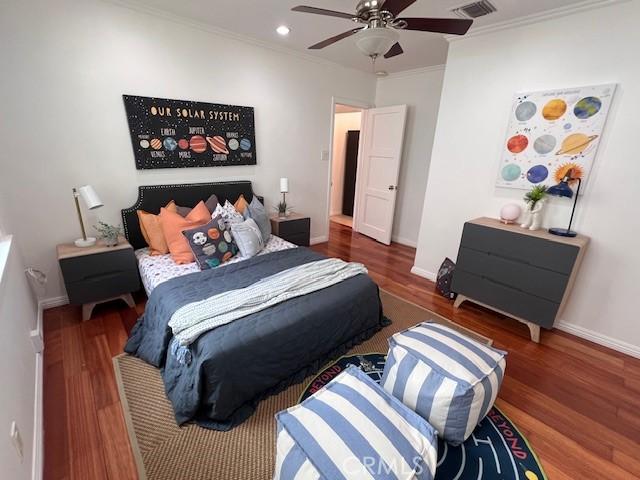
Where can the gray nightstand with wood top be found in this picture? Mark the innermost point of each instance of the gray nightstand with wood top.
(524, 274)
(293, 228)
(98, 274)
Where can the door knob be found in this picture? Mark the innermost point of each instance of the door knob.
(393, 187)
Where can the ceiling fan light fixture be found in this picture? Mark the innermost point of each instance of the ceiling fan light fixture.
(283, 30)
(375, 42)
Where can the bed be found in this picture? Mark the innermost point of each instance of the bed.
(219, 379)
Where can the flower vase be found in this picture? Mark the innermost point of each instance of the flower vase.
(534, 215)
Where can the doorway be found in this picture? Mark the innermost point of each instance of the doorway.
(344, 163)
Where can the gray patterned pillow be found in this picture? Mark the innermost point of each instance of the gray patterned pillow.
(248, 237)
(212, 244)
(211, 204)
(258, 213)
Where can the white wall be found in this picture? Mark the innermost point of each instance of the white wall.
(420, 90)
(483, 72)
(65, 67)
(18, 315)
(342, 124)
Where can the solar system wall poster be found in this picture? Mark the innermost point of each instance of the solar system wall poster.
(179, 133)
(552, 132)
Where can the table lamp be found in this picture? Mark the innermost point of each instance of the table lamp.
(92, 201)
(563, 189)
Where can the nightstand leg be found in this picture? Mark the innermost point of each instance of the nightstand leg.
(534, 331)
(87, 308)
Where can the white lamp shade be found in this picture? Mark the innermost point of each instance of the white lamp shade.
(90, 197)
(284, 185)
(376, 41)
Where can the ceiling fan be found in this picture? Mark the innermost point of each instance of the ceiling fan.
(379, 35)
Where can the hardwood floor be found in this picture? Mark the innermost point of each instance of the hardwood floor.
(578, 403)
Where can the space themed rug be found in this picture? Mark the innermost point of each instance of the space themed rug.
(495, 450)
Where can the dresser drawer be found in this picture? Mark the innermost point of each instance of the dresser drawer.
(503, 297)
(525, 277)
(300, 239)
(526, 249)
(102, 286)
(75, 269)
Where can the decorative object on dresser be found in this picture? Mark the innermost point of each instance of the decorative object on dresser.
(110, 234)
(510, 213)
(535, 204)
(92, 201)
(563, 189)
(524, 274)
(98, 274)
(294, 228)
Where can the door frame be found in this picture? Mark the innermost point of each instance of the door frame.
(351, 103)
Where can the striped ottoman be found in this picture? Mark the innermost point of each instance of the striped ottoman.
(352, 429)
(446, 377)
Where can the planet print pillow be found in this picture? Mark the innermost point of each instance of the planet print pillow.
(228, 213)
(211, 244)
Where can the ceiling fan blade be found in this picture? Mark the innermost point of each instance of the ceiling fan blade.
(439, 25)
(397, 6)
(395, 50)
(322, 11)
(332, 40)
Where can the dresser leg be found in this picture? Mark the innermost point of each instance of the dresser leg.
(128, 298)
(534, 331)
(459, 300)
(87, 310)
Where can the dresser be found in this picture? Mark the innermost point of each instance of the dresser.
(526, 275)
(98, 274)
(293, 228)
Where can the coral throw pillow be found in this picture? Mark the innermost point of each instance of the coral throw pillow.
(152, 230)
(241, 204)
(173, 225)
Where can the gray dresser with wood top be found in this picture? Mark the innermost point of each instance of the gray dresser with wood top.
(524, 274)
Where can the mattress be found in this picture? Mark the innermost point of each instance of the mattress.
(157, 269)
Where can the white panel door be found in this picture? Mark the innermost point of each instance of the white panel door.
(377, 183)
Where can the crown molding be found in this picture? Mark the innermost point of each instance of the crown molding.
(221, 32)
(535, 18)
(413, 72)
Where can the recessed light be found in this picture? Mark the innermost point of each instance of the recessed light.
(283, 30)
(382, 73)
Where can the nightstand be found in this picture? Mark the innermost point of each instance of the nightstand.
(294, 228)
(99, 274)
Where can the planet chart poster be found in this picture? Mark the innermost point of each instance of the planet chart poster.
(180, 133)
(552, 132)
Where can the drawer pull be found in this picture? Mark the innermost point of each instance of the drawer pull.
(102, 275)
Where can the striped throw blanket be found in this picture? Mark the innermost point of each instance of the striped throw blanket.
(353, 429)
(194, 319)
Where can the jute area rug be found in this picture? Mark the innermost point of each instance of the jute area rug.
(164, 451)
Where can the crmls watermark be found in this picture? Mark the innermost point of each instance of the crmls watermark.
(377, 466)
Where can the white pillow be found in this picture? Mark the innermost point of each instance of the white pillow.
(229, 213)
(248, 237)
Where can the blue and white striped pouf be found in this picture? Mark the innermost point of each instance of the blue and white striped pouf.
(353, 429)
(446, 377)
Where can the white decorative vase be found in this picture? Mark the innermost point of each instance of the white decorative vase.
(534, 216)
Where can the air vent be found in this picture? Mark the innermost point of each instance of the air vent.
(475, 9)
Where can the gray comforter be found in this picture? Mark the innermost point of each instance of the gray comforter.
(228, 370)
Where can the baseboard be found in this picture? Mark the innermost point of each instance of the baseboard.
(53, 302)
(421, 272)
(404, 241)
(37, 461)
(599, 338)
(321, 239)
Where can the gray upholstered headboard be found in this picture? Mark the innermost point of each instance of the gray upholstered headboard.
(152, 197)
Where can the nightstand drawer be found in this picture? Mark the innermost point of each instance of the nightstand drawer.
(293, 227)
(75, 269)
(300, 239)
(103, 285)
